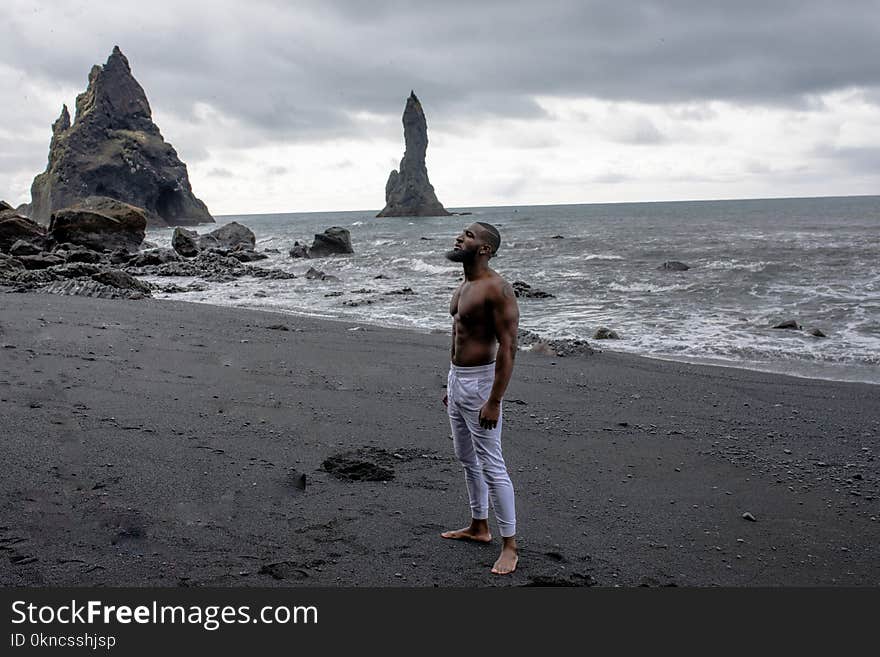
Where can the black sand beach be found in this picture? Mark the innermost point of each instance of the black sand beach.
(171, 444)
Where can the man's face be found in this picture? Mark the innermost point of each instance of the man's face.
(468, 245)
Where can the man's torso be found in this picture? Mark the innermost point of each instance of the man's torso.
(473, 322)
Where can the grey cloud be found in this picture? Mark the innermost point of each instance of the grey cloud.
(220, 172)
(636, 130)
(300, 71)
(277, 71)
(863, 159)
(611, 177)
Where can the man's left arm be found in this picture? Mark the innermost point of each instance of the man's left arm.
(505, 314)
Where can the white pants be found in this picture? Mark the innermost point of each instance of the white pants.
(479, 449)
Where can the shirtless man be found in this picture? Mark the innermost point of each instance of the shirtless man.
(484, 312)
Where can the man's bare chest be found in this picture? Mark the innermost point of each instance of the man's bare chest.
(469, 304)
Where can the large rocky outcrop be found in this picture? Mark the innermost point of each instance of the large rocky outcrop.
(408, 192)
(99, 223)
(114, 149)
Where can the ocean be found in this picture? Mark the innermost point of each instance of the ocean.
(754, 263)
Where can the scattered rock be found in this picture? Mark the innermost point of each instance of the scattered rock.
(788, 324)
(233, 236)
(154, 257)
(14, 227)
(674, 265)
(23, 248)
(76, 253)
(558, 237)
(91, 288)
(9, 265)
(76, 270)
(40, 261)
(603, 333)
(121, 280)
(817, 332)
(278, 327)
(408, 193)
(314, 275)
(748, 516)
(243, 255)
(297, 479)
(407, 291)
(523, 289)
(185, 242)
(299, 251)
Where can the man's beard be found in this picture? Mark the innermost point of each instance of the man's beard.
(460, 255)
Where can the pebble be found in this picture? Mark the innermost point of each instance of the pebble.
(748, 516)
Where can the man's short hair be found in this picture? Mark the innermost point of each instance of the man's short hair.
(492, 236)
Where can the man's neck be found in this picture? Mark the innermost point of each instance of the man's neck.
(475, 270)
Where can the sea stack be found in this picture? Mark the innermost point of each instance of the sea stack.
(114, 149)
(408, 192)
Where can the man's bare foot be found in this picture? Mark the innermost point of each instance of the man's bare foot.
(477, 531)
(506, 563)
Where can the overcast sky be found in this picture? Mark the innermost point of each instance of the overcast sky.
(295, 106)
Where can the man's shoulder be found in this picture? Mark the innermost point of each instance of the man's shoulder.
(499, 285)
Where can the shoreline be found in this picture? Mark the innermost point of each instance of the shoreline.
(599, 345)
(164, 442)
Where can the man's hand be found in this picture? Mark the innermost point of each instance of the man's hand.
(489, 414)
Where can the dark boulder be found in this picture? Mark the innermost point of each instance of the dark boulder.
(153, 257)
(76, 270)
(817, 332)
(121, 280)
(100, 224)
(9, 265)
(299, 251)
(247, 256)
(75, 253)
(5, 206)
(185, 242)
(523, 289)
(334, 240)
(114, 149)
(14, 227)
(118, 257)
(87, 287)
(315, 275)
(232, 236)
(674, 265)
(41, 261)
(24, 248)
(603, 333)
(229, 237)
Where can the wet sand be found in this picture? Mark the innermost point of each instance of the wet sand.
(172, 444)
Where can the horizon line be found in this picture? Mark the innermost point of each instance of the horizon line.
(541, 205)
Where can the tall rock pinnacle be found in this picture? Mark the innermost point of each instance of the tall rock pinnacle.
(114, 149)
(408, 192)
